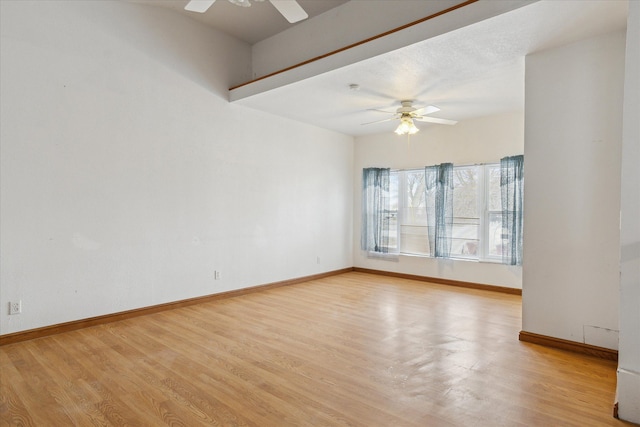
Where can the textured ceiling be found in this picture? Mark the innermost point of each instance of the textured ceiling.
(471, 72)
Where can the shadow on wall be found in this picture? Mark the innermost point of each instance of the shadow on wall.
(203, 55)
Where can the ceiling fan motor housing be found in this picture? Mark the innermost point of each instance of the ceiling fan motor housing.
(406, 107)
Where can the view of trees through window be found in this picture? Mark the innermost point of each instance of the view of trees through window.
(477, 225)
(466, 218)
(413, 231)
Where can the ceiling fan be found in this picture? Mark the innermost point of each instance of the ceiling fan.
(290, 9)
(407, 114)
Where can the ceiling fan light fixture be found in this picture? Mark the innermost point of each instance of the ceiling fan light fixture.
(406, 126)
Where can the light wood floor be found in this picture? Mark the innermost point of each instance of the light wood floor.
(353, 350)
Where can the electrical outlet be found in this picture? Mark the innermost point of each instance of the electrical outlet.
(216, 275)
(15, 307)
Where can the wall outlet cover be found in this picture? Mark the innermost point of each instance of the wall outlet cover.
(15, 307)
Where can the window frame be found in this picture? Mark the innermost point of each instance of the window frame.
(482, 202)
(487, 212)
(403, 209)
(478, 202)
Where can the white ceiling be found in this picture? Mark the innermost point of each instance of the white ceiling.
(250, 24)
(472, 72)
(468, 73)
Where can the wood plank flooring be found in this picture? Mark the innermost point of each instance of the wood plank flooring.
(349, 350)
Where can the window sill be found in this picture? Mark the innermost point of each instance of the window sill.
(487, 260)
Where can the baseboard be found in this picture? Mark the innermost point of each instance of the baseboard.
(122, 315)
(470, 285)
(576, 347)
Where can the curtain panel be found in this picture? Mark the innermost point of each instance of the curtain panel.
(439, 202)
(375, 209)
(511, 192)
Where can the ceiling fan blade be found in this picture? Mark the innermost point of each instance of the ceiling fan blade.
(379, 121)
(290, 9)
(381, 111)
(436, 120)
(199, 6)
(426, 110)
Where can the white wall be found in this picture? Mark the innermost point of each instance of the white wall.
(484, 140)
(573, 134)
(629, 360)
(127, 178)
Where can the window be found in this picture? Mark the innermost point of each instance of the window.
(477, 212)
(477, 226)
(493, 219)
(391, 215)
(465, 233)
(413, 214)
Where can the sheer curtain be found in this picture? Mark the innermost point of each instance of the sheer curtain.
(375, 208)
(511, 192)
(439, 201)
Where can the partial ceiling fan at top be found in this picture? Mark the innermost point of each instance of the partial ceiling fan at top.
(290, 9)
